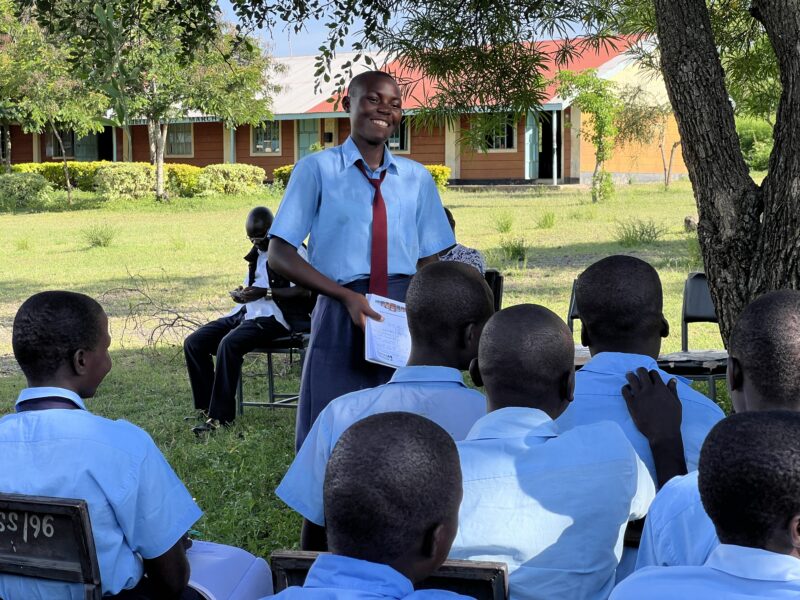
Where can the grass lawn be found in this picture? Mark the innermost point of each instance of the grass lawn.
(181, 259)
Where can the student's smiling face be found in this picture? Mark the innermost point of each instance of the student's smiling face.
(375, 109)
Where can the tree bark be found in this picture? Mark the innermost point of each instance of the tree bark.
(157, 136)
(729, 203)
(671, 162)
(63, 162)
(7, 148)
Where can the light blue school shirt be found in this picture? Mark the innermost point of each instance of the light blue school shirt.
(333, 577)
(598, 397)
(553, 505)
(730, 573)
(677, 532)
(137, 505)
(437, 393)
(329, 198)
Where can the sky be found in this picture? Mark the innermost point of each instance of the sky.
(282, 41)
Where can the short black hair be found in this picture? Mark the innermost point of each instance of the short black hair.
(450, 218)
(619, 298)
(50, 327)
(443, 297)
(525, 347)
(749, 475)
(766, 342)
(390, 478)
(356, 85)
(259, 220)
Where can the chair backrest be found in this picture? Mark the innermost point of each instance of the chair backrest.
(572, 312)
(479, 580)
(49, 538)
(697, 305)
(495, 281)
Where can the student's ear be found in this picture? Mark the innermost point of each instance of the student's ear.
(586, 339)
(475, 372)
(664, 327)
(470, 336)
(794, 532)
(79, 362)
(734, 375)
(346, 103)
(566, 387)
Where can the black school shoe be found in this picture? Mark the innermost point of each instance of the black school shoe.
(208, 428)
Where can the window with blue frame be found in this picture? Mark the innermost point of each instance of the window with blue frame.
(400, 140)
(503, 135)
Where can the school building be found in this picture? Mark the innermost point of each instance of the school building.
(544, 147)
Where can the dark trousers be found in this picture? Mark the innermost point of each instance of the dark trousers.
(334, 363)
(229, 338)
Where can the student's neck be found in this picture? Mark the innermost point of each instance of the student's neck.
(371, 153)
(551, 405)
(422, 356)
(651, 348)
(62, 382)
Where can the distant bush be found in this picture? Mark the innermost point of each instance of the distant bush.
(755, 139)
(602, 187)
(503, 222)
(636, 232)
(694, 254)
(282, 174)
(232, 179)
(441, 175)
(24, 191)
(546, 221)
(514, 248)
(184, 180)
(99, 235)
(81, 174)
(125, 180)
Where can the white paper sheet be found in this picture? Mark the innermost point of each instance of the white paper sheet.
(387, 342)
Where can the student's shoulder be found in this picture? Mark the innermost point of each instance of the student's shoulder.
(698, 403)
(434, 594)
(677, 496)
(119, 434)
(406, 166)
(602, 441)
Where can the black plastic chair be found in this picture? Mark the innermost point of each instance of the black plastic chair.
(572, 312)
(698, 307)
(51, 539)
(495, 281)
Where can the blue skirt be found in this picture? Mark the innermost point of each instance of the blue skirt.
(334, 363)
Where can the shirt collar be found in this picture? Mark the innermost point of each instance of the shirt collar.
(351, 155)
(513, 422)
(616, 363)
(426, 374)
(32, 393)
(343, 572)
(754, 563)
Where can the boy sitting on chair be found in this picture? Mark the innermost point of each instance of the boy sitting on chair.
(552, 504)
(392, 490)
(764, 351)
(447, 306)
(140, 511)
(749, 482)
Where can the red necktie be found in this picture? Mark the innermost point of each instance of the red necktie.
(379, 262)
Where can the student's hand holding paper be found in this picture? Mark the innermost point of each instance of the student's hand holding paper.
(359, 309)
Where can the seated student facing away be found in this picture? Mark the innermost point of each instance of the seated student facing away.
(750, 486)
(139, 509)
(459, 253)
(764, 352)
(552, 504)
(268, 307)
(392, 490)
(620, 303)
(447, 306)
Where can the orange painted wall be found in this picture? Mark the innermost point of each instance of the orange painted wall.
(21, 145)
(638, 159)
(494, 165)
(268, 163)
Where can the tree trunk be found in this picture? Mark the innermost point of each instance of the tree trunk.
(671, 162)
(598, 166)
(664, 162)
(63, 162)
(7, 148)
(157, 136)
(729, 203)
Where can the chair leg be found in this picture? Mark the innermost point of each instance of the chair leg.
(239, 397)
(270, 378)
(712, 388)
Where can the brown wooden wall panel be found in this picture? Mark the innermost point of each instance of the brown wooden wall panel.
(207, 144)
(268, 163)
(139, 144)
(21, 145)
(427, 147)
(344, 129)
(495, 165)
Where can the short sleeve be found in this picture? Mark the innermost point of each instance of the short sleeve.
(648, 554)
(299, 205)
(158, 509)
(433, 230)
(645, 490)
(301, 487)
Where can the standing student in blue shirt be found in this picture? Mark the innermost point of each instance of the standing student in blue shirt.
(749, 483)
(447, 307)
(763, 353)
(391, 495)
(552, 504)
(372, 219)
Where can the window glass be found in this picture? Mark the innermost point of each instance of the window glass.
(502, 136)
(179, 139)
(267, 138)
(399, 139)
(53, 149)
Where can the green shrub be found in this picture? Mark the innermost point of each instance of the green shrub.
(81, 174)
(184, 180)
(636, 232)
(503, 222)
(755, 139)
(24, 191)
(546, 221)
(441, 175)
(282, 174)
(514, 248)
(694, 254)
(232, 179)
(602, 187)
(125, 180)
(759, 158)
(99, 235)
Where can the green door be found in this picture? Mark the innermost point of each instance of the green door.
(307, 135)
